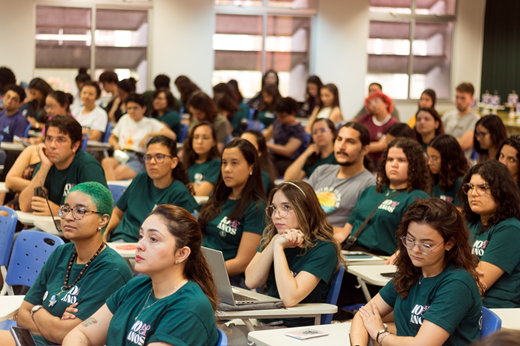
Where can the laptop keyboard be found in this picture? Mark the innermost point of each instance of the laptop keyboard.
(242, 298)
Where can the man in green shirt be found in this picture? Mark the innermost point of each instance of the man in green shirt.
(63, 165)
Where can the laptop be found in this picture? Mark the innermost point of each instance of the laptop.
(226, 293)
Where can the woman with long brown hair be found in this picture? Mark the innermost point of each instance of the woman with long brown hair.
(174, 304)
(434, 295)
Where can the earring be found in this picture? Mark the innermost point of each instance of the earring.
(99, 229)
(250, 173)
(176, 262)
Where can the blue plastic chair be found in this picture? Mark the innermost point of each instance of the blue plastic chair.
(26, 132)
(222, 338)
(255, 125)
(181, 111)
(228, 139)
(183, 134)
(7, 228)
(332, 296)
(490, 323)
(251, 114)
(84, 143)
(108, 132)
(30, 252)
(117, 191)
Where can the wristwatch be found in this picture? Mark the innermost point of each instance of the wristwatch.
(34, 309)
(382, 331)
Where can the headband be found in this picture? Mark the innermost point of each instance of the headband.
(293, 184)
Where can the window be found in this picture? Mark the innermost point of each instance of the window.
(409, 46)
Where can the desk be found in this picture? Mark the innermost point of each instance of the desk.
(3, 188)
(510, 318)
(9, 306)
(47, 225)
(97, 146)
(12, 146)
(371, 274)
(126, 254)
(338, 335)
(28, 218)
(120, 182)
(201, 199)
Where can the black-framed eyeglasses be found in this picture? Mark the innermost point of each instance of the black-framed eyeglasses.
(425, 249)
(481, 189)
(283, 211)
(159, 158)
(78, 213)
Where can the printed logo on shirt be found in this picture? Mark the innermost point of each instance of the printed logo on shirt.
(417, 312)
(6, 129)
(389, 205)
(447, 198)
(227, 226)
(198, 178)
(329, 198)
(72, 296)
(137, 334)
(67, 188)
(479, 247)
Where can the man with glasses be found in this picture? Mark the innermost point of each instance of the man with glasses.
(63, 165)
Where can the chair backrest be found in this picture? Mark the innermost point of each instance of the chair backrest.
(255, 125)
(490, 323)
(228, 139)
(108, 132)
(117, 191)
(222, 338)
(30, 252)
(26, 132)
(85, 142)
(183, 133)
(7, 227)
(251, 114)
(332, 297)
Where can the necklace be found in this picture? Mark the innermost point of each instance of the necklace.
(150, 293)
(421, 280)
(66, 287)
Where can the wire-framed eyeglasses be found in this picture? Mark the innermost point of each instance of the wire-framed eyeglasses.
(425, 249)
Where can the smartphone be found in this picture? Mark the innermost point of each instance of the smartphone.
(22, 336)
(20, 140)
(388, 275)
(38, 192)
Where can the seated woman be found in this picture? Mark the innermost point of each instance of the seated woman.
(434, 295)
(489, 134)
(509, 155)
(312, 96)
(228, 106)
(20, 175)
(164, 110)
(164, 182)
(270, 77)
(492, 212)
(402, 177)
(232, 220)
(448, 165)
(399, 130)
(201, 109)
(428, 126)
(173, 305)
(125, 88)
(288, 135)
(269, 174)
(131, 135)
(427, 100)
(38, 92)
(202, 158)
(109, 80)
(266, 112)
(79, 276)
(319, 152)
(92, 118)
(329, 108)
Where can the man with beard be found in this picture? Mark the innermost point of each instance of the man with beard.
(339, 186)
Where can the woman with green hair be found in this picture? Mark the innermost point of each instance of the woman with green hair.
(79, 276)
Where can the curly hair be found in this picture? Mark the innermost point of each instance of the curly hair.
(443, 217)
(418, 172)
(514, 142)
(503, 189)
(496, 128)
(453, 161)
(189, 156)
(100, 196)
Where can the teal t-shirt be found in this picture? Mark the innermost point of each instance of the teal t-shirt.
(225, 235)
(84, 167)
(104, 276)
(242, 113)
(450, 300)
(499, 246)
(320, 261)
(329, 160)
(450, 195)
(266, 181)
(184, 318)
(173, 120)
(206, 171)
(266, 118)
(379, 232)
(141, 198)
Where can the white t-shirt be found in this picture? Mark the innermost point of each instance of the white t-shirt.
(130, 133)
(95, 120)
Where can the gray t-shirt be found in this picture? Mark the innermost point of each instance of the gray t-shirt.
(457, 127)
(338, 197)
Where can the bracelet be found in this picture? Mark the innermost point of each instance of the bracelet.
(380, 343)
(381, 332)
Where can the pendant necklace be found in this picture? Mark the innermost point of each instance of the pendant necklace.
(150, 293)
(421, 280)
(66, 287)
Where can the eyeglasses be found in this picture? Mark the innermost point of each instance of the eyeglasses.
(323, 130)
(159, 158)
(283, 211)
(78, 213)
(481, 134)
(59, 140)
(434, 159)
(481, 189)
(425, 249)
(204, 138)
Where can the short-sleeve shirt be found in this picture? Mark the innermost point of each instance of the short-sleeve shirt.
(379, 232)
(329, 160)
(320, 261)
(225, 235)
(84, 168)
(283, 133)
(376, 131)
(450, 300)
(242, 113)
(141, 198)
(183, 318)
(131, 133)
(97, 119)
(173, 120)
(13, 125)
(104, 276)
(266, 181)
(206, 171)
(457, 127)
(450, 195)
(499, 246)
(222, 127)
(266, 117)
(337, 196)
